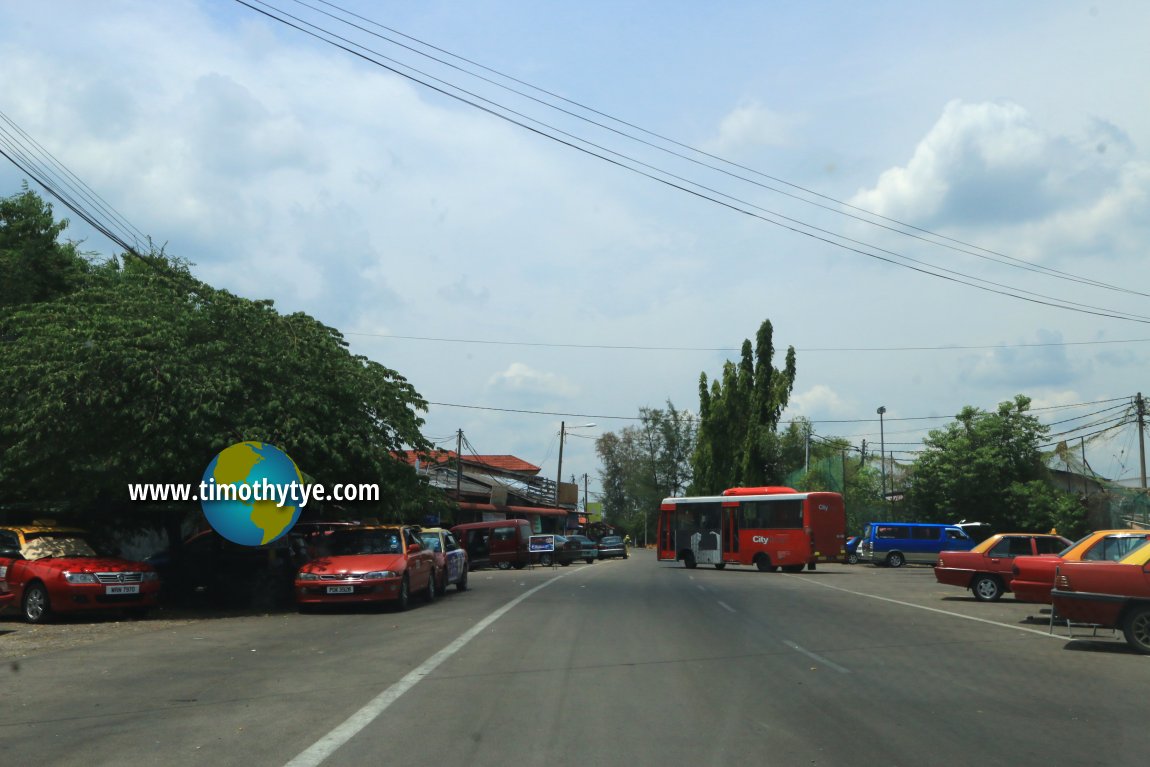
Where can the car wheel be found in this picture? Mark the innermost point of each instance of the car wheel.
(895, 559)
(689, 560)
(986, 588)
(590, 560)
(503, 565)
(403, 601)
(37, 608)
(720, 565)
(461, 584)
(1136, 627)
(852, 559)
(441, 583)
(545, 560)
(429, 594)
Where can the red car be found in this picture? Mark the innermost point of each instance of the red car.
(50, 570)
(1034, 576)
(988, 568)
(367, 564)
(1108, 594)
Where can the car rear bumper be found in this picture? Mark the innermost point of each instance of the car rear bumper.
(1089, 607)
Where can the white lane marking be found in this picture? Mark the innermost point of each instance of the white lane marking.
(342, 733)
(817, 658)
(930, 609)
(700, 588)
(726, 606)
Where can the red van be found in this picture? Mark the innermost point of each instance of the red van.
(502, 543)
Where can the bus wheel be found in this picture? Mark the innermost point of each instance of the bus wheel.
(689, 560)
(895, 559)
(763, 562)
(720, 565)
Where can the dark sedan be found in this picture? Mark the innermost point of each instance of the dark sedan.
(585, 548)
(612, 546)
(564, 554)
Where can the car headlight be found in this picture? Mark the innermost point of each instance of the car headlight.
(376, 575)
(308, 577)
(79, 577)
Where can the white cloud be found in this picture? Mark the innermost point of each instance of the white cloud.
(820, 400)
(748, 126)
(521, 379)
(992, 167)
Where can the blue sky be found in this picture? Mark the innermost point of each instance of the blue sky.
(285, 168)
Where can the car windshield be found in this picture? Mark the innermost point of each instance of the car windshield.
(57, 546)
(352, 542)
(612, 540)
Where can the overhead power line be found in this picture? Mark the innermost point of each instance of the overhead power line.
(806, 349)
(667, 178)
(842, 208)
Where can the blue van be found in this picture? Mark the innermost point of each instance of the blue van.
(894, 544)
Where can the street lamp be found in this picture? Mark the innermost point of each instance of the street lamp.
(563, 427)
(882, 449)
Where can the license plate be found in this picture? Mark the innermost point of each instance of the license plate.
(341, 589)
(133, 589)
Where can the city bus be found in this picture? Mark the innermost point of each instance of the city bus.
(767, 527)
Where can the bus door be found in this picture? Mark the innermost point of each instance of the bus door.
(665, 534)
(706, 541)
(732, 510)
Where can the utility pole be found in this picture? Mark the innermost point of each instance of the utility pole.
(458, 464)
(559, 474)
(584, 494)
(1140, 404)
(882, 449)
(807, 465)
(1085, 487)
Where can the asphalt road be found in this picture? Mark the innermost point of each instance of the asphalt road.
(622, 662)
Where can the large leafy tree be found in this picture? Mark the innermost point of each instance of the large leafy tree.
(34, 264)
(643, 464)
(137, 372)
(738, 441)
(987, 466)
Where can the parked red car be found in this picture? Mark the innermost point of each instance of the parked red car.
(1108, 594)
(367, 564)
(988, 568)
(1034, 576)
(50, 570)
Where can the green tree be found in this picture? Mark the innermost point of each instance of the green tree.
(643, 464)
(141, 374)
(987, 466)
(738, 441)
(35, 264)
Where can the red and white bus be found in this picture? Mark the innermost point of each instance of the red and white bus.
(768, 527)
